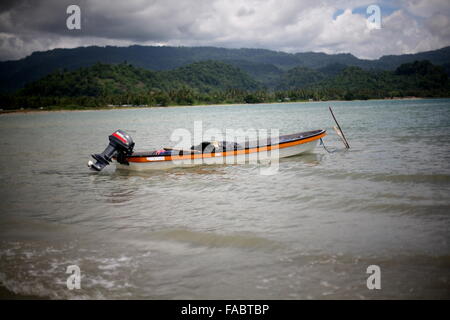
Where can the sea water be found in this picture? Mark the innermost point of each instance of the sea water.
(309, 231)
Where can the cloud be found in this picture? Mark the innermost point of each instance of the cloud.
(283, 25)
(427, 8)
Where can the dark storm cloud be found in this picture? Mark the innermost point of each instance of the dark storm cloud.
(289, 25)
(26, 16)
(8, 4)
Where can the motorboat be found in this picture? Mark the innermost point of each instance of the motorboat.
(121, 152)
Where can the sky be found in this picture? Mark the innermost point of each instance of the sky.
(330, 26)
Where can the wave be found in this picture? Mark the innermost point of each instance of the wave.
(395, 178)
(213, 240)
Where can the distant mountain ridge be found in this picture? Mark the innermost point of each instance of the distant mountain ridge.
(212, 77)
(122, 79)
(265, 66)
(215, 82)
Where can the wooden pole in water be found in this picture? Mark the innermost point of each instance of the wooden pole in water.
(340, 130)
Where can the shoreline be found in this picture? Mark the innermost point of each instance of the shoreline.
(34, 111)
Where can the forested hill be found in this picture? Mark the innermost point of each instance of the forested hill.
(110, 80)
(212, 82)
(263, 65)
(419, 78)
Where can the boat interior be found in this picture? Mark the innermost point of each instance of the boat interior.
(222, 146)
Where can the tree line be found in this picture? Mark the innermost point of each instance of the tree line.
(212, 82)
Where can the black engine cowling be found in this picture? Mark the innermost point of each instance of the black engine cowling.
(120, 145)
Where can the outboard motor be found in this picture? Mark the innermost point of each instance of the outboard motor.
(120, 146)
